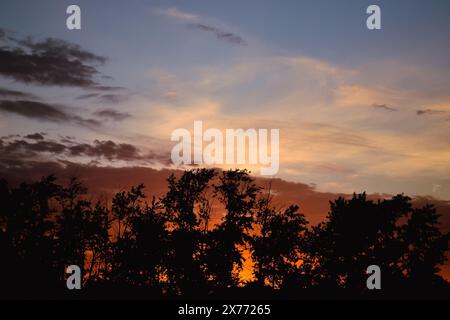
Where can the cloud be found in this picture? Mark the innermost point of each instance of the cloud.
(358, 96)
(429, 112)
(6, 93)
(107, 149)
(10, 136)
(21, 152)
(44, 112)
(91, 123)
(383, 107)
(436, 187)
(34, 109)
(229, 37)
(307, 100)
(6, 35)
(35, 136)
(23, 149)
(60, 48)
(50, 62)
(112, 114)
(88, 96)
(112, 98)
(106, 98)
(193, 21)
(177, 14)
(106, 88)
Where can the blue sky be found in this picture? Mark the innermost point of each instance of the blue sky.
(357, 109)
(330, 30)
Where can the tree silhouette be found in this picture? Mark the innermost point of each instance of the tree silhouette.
(27, 237)
(126, 207)
(151, 245)
(237, 191)
(133, 247)
(70, 247)
(425, 247)
(277, 247)
(181, 204)
(358, 233)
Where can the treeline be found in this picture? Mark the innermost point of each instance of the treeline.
(151, 248)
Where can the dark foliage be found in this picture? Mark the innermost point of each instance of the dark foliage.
(167, 247)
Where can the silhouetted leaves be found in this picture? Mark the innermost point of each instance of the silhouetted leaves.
(170, 245)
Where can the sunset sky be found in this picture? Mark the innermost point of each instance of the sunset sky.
(358, 110)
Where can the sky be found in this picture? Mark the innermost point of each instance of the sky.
(358, 109)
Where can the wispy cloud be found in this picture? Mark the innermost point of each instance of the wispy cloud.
(383, 107)
(193, 21)
(220, 34)
(105, 98)
(429, 112)
(7, 93)
(44, 112)
(177, 14)
(34, 109)
(112, 114)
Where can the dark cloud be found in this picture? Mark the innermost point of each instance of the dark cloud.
(35, 136)
(5, 35)
(107, 149)
(10, 136)
(46, 146)
(112, 114)
(67, 139)
(107, 88)
(51, 62)
(6, 93)
(111, 151)
(44, 111)
(429, 112)
(21, 151)
(34, 109)
(62, 49)
(383, 107)
(91, 123)
(88, 96)
(220, 34)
